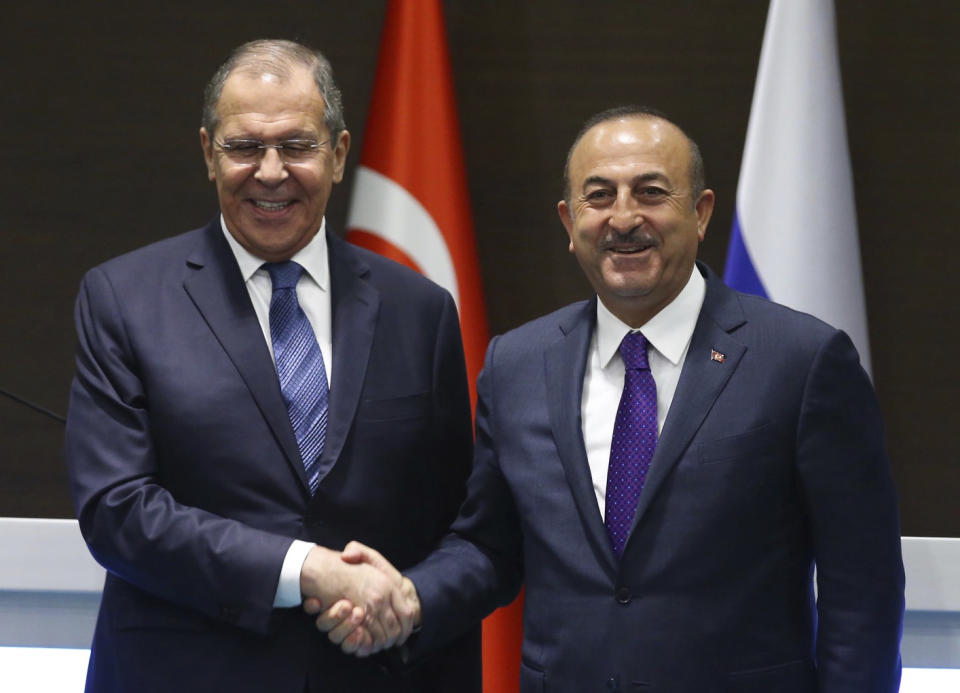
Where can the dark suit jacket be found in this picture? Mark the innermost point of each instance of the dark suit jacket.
(769, 461)
(189, 486)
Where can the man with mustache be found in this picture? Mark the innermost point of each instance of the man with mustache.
(664, 465)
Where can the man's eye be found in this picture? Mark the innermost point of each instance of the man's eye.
(652, 190)
(598, 194)
(242, 147)
(299, 146)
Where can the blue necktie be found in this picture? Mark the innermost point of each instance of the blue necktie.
(634, 440)
(303, 379)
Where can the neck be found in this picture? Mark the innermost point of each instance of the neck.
(635, 311)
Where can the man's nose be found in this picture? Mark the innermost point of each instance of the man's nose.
(625, 213)
(271, 170)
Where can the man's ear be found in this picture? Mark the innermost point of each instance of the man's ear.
(206, 143)
(566, 218)
(704, 209)
(340, 155)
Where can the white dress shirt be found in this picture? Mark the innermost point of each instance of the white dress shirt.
(313, 295)
(668, 335)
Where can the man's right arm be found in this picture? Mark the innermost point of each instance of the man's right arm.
(134, 526)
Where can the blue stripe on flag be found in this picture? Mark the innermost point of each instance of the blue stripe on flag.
(739, 272)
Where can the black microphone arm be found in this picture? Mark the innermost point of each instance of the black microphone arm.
(35, 407)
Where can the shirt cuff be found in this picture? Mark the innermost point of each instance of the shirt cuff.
(288, 588)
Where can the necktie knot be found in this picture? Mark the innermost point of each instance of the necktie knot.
(633, 351)
(283, 275)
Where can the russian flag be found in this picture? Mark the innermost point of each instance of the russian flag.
(794, 237)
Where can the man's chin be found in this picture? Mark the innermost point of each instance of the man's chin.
(630, 285)
(273, 246)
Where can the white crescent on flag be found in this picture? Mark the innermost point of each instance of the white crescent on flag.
(382, 207)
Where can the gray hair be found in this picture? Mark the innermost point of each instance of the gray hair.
(277, 57)
(697, 173)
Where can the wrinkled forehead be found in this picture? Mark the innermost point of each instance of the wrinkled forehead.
(634, 142)
(265, 96)
(269, 80)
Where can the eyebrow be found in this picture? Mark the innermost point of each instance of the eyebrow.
(653, 176)
(298, 135)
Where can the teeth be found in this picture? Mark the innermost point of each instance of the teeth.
(270, 206)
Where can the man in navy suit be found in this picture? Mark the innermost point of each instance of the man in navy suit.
(767, 461)
(216, 494)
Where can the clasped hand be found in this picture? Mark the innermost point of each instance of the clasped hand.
(360, 600)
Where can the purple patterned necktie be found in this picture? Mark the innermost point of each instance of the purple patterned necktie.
(634, 440)
(303, 378)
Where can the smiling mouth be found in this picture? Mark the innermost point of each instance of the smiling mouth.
(630, 249)
(271, 206)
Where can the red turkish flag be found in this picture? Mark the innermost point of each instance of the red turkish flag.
(410, 203)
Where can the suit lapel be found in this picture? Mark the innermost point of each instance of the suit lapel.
(701, 382)
(215, 285)
(565, 362)
(355, 305)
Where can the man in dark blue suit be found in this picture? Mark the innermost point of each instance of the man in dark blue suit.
(250, 396)
(663, 466)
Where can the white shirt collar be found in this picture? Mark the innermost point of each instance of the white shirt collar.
(669, 331)
(312, 257)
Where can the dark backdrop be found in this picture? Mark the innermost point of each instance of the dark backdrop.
(101, 106)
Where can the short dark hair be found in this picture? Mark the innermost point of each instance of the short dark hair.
(277, 56)
(697, 173)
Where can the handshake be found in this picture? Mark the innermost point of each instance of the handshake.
(359, 599)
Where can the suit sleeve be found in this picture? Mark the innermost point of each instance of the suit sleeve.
(453, 429)
(478, 566)
(846, 479)
(134, 527)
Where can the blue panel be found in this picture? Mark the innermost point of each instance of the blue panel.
(739, 272)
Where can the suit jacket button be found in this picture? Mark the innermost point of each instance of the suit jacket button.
(612, 684)
(623, 595)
